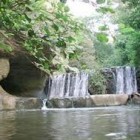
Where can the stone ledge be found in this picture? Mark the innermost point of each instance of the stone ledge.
(110, 99)
(89, 101)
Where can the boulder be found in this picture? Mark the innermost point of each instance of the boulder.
(59, 103)
(135, 98)
(79, 102)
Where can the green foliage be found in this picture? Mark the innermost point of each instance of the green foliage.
(105, 10)
(98, 81)
(46, 30)
(126, 48)
(102, 37)
(3, 46)
(129, 46)
(127, 42)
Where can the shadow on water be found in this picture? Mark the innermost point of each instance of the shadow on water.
(7, 125)
(109, 123)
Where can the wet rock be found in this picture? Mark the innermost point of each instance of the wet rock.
(89, 101)
(75, 102)
(60, 103)
(79, 102)
(135, 98)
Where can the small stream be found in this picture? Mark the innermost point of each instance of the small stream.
(108, 123)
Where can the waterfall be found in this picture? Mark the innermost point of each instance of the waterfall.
(67, 85)
(120, 80)
(126, 80)
(44, 104)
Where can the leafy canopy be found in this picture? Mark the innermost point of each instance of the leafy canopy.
(46, 30)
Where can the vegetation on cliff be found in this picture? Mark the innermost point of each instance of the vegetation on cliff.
(45, 30)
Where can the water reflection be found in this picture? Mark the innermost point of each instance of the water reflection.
(7, 125)
(94, 124)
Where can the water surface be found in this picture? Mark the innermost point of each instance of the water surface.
(109, 123)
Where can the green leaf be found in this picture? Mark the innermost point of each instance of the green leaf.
(61, 42)
(55, 27)
(4, 1)
(71, 39)
(102, 37)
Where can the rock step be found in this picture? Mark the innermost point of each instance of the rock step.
(89, 101)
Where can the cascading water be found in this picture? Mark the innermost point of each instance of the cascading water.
(126, 80)
(119, 80)
(44, 104)
(67, 85)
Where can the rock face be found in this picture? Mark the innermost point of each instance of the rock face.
(10, 102)
(4, 68)
(109, 84)
(110, 81)
(24, 79)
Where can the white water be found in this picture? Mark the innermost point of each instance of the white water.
(126, 80)
(68, 85)
(44, 104)
(120, 80)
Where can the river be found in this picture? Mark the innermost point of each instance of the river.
(106, 123)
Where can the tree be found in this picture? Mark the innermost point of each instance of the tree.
(128, 39)
(46, 30)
